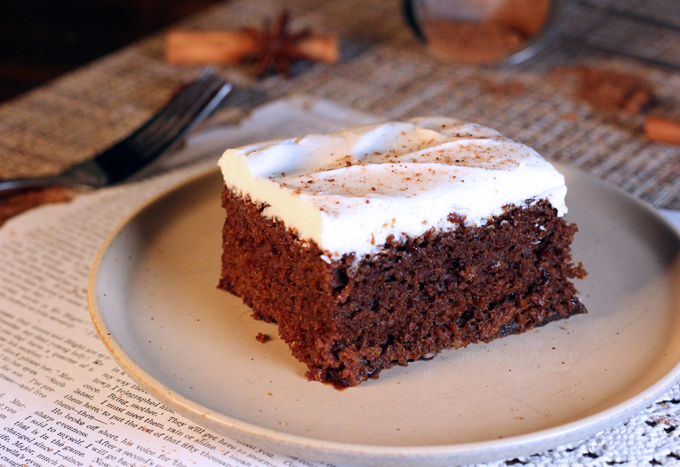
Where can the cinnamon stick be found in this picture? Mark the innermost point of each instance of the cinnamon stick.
(662, 129)
(230, 47)
(207, 47)
(321, 48)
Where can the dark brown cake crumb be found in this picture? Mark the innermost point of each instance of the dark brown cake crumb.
(456, 218)
(264, 338)
(350, 319)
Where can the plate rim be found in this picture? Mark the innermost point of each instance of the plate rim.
(366, 454)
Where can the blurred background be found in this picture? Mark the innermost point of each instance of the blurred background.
(585, 98)
(42, 39)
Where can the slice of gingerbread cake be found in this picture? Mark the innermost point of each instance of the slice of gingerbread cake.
(386, 243)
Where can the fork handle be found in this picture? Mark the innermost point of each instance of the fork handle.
(10, 187)
(83, 175)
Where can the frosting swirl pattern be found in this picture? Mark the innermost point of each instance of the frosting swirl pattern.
(349, 190)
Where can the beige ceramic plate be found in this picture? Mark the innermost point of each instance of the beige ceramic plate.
(153, 299)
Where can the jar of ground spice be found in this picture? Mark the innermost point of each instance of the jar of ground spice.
(482, 31)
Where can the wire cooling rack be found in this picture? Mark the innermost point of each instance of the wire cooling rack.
(645, 30)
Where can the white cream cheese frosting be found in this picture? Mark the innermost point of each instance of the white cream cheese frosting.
(348, 191)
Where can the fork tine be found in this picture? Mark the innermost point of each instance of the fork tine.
(174, 106)
(127, 157)
(179, 116)
(186, 107)
(179, 123)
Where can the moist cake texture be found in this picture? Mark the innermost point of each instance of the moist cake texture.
(387, 243)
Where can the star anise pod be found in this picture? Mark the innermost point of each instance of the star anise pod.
(276, 46)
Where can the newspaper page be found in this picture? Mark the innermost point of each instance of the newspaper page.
(63, 399)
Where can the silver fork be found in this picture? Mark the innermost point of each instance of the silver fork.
(130, 155)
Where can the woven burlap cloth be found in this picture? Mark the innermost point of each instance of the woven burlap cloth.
(384, 71)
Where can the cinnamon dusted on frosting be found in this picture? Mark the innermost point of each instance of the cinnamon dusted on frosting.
(348, 191)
